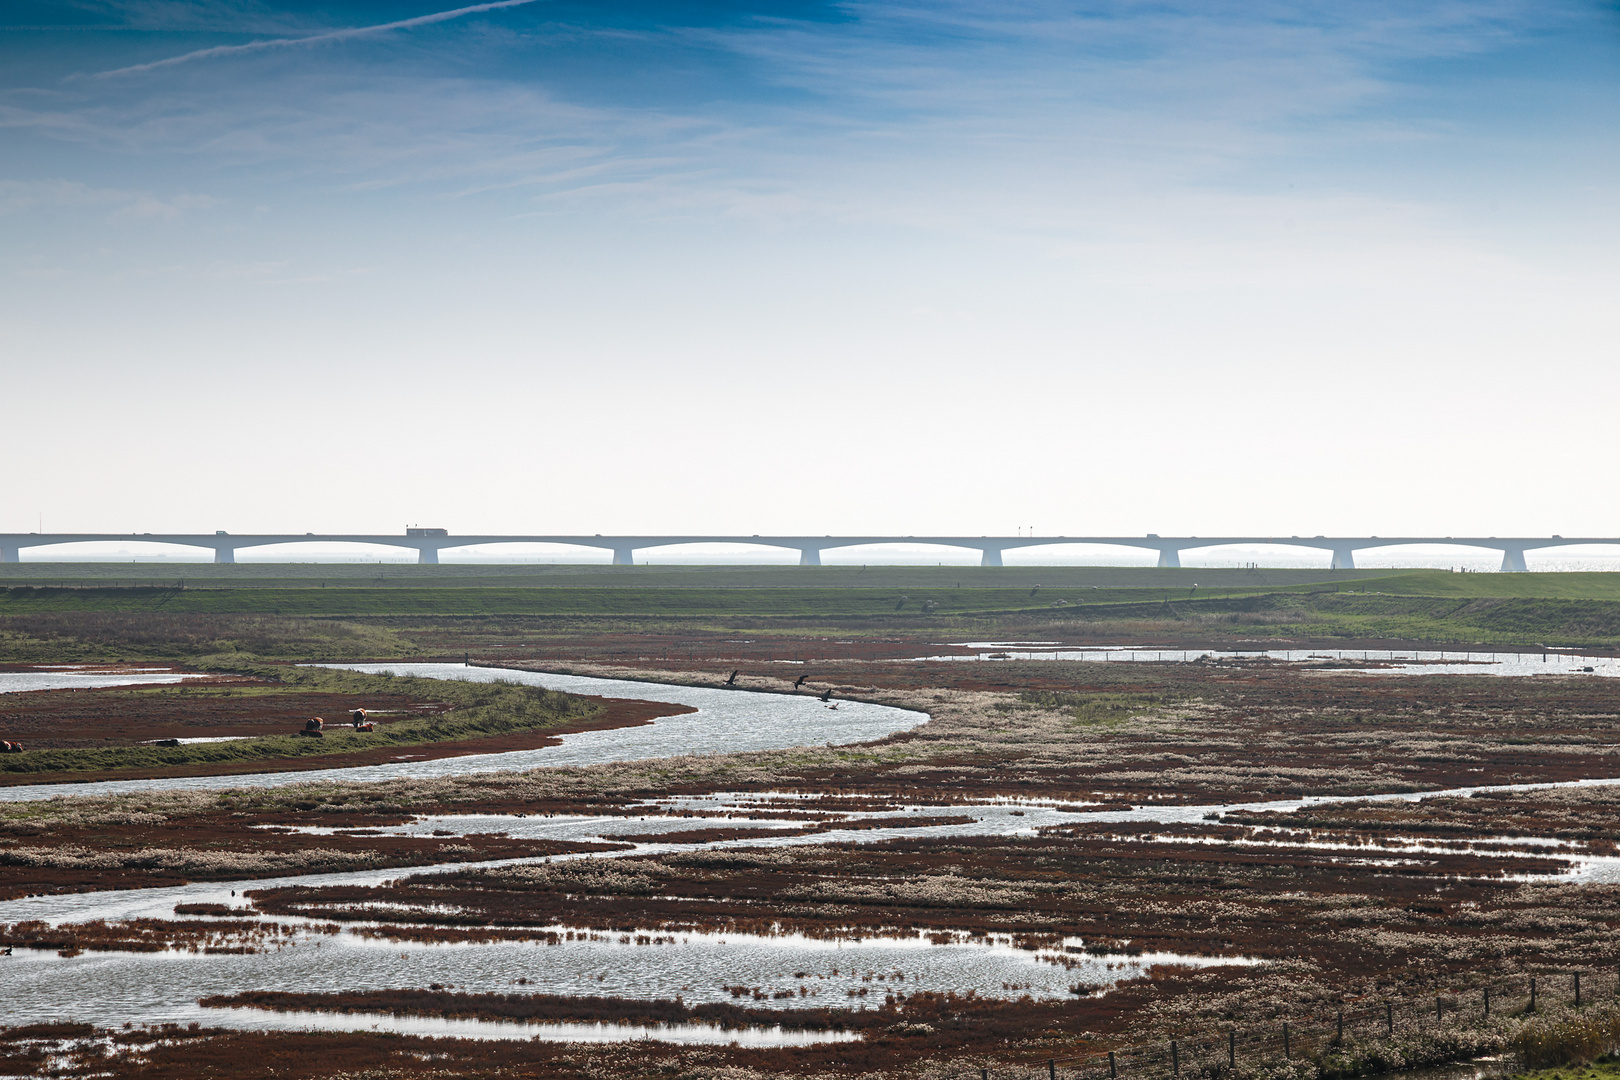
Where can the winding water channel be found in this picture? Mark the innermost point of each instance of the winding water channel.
(726, 721)
(791, 971)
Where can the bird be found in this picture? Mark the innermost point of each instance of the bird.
(827, 695)
(800, 682)
(733, 680)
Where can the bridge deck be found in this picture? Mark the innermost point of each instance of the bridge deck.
(1169, 548)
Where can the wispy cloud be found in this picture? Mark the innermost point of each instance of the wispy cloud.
(32, 195)
(1071, 119)
(344, 34)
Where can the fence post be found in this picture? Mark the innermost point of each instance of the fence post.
(1577, 989)
(1389, 1018)
(1341, 1025)
(1487, 1003)
(1288, 1051)
(1111, 1071)
(1439, 1010)
(984, 1074)
(1175, 1058)
(1051, 1069)
(1532, 993)
(1231, 1049)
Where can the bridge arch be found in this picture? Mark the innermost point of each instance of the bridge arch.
(315, 551)
(905, 552)
(521, 551)
(135, 548)
(1079, 553)
(716, 552)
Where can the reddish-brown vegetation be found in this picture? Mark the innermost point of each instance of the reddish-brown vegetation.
(146, 935)
(1157, 896)
(215, 706)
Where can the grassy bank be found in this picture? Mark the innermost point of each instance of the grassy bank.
(54, 624)
(478, 710)
(554, 601)
(1517, 622)
(452, 576)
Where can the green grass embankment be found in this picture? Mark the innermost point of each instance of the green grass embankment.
(564, 576)
(1575, 609)
(934, 592)
(600, 602)
(1504, 621)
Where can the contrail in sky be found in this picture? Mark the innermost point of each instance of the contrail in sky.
(331, 35)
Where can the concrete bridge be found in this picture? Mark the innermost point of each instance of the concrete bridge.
(429, 542)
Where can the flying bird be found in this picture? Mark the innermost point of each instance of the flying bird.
(800, 682)
(827, 695)
(733, 680)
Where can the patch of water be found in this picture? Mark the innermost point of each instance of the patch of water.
(19, 682)
(1359, 661)
(785, 971)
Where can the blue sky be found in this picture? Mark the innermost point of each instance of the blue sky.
(910, 267)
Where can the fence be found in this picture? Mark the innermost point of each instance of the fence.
(1231, 1044)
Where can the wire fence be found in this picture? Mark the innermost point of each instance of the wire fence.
(1228, 1046)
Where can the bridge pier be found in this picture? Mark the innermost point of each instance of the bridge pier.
(224, 554)
(1170, 557)
(809, 556)
(624, 556)
(428, 556)
(1343, 558)
(1513, 561)
(10, 554)
(991, 557)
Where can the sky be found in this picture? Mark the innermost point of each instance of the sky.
(558, 266)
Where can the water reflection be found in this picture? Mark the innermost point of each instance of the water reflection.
(771, 972)
(1328, 661)
(19, 682)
